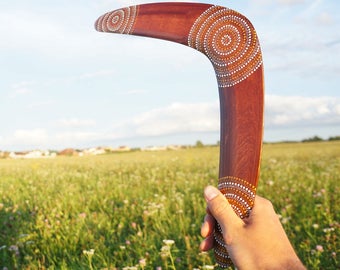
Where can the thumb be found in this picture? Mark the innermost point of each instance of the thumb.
(220, 208)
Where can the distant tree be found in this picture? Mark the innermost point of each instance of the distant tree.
(313, 139)
(335, 138)
(199, 144)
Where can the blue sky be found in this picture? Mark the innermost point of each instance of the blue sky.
(65, 85)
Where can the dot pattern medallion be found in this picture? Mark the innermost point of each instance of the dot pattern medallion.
(241, 195)
(118, 21)
(229, 41)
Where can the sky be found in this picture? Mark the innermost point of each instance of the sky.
(63, 84)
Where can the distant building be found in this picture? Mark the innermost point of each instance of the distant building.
(32, 154)
(69, 152)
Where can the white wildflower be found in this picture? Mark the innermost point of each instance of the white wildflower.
(168, 242)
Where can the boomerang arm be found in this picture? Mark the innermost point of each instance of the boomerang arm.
(230, 42)
(167, 21)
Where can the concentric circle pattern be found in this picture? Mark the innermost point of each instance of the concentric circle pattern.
(118, 21)
(241, 195)
(220, 249)
(229, 41)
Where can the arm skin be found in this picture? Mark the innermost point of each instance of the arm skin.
(256, 242)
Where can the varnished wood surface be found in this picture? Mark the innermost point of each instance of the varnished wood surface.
(168, 22)
(241, 128)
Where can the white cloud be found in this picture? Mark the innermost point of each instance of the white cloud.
(30, 135)
(25, 29)
(178, 118)
(95, 74)
(138, 2)
(136, 91)
(23, 138)
(290, 111)
(76, 137)
(324, 18)
(40, 104)
(290, 2)
(29, 139)
(76, 123)
(21, 88)
(281, 112)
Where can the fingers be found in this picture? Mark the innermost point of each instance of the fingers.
(220, 209)
(207, 243)
(208, 226)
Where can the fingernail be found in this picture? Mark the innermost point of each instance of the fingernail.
(210, 193)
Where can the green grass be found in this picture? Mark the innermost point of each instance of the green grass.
(114, 211)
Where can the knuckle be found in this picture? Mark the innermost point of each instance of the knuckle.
(265, 204)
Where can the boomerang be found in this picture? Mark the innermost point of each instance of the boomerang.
(230, 42)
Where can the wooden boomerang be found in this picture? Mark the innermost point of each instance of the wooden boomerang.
(230, 42)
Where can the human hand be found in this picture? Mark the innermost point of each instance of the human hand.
(256, 242)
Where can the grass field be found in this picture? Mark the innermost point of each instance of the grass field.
(114, 211)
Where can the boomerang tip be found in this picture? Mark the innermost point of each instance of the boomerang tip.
(118, 21)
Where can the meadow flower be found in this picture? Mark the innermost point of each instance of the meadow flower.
(82, 215)
(315, 226)
(208, 267)
(285, 220)
(142, 262)
(168, 242)
(328, 230)
(15, 249)
(165, 251)
(319, 248)
(203, 253)
(88, 252)
(272, 160)
(270, 183)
